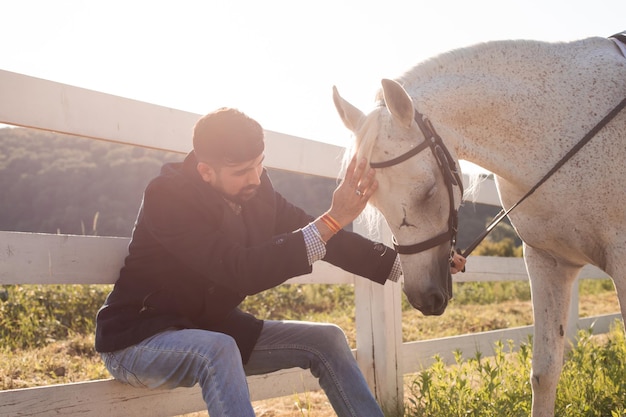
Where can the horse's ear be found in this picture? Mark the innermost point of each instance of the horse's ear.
(398, 102)
(350, 115)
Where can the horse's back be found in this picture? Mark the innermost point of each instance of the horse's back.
(582, 207)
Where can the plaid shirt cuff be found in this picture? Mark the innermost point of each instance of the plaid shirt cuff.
(396, 271)
(315, 246)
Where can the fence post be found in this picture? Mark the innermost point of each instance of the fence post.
(379, 338)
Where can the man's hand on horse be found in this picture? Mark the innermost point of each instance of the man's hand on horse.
(457, 263)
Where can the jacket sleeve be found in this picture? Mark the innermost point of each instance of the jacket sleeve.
(354, 253)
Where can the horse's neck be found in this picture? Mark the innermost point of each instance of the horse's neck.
(496, 103)
(487, 127)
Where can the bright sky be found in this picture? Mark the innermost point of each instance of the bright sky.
(276, 60)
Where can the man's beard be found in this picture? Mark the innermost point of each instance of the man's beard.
(244, 194)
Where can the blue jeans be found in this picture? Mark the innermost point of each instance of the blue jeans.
(183, 358)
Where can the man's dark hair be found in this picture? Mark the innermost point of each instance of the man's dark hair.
(228, 136)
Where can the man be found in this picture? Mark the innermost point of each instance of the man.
(211, 231)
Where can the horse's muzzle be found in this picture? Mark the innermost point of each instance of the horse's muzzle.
(431, 303)
(433, 300)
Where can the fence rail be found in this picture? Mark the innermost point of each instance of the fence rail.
(29, 258)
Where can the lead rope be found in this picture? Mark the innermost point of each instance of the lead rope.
(503, 213)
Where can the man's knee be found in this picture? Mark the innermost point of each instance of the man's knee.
(333, 335)
(210, 346)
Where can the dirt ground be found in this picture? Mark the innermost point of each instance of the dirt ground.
(309, 404)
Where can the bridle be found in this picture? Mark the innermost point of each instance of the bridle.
(451, 178)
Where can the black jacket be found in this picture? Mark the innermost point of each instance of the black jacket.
(192, 260)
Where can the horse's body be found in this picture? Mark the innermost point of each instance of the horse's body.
(514, 108)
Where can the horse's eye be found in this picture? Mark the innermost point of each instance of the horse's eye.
(430, 193)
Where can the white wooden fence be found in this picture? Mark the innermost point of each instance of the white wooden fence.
(29, 258)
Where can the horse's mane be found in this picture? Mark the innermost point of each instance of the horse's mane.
(364, 141)
(362, 146)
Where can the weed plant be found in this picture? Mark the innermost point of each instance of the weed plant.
(592, 384)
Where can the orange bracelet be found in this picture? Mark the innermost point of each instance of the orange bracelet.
(333, 221)
(332, 224)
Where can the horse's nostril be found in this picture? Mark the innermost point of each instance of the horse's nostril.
(438, 300)
(436, 304)
(432, 302)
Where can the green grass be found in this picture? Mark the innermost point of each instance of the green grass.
(34, 316)
(46, 337)
(62, 361)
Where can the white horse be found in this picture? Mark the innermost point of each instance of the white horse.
(514, 108)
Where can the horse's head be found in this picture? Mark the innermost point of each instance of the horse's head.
(417, 194)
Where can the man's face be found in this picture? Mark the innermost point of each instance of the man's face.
(237, 182)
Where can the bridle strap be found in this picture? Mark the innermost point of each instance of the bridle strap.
(395, 161)
(451, 178)
(422, 246)
(441, 152)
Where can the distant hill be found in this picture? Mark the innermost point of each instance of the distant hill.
(53, 183)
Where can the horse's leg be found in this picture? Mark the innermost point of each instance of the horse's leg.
(616, 268)
(551, 286)
(620, 286)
